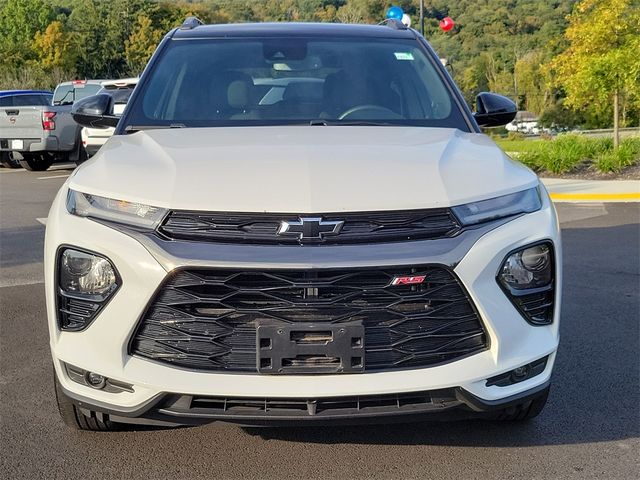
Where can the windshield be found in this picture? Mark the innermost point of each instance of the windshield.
(276, 81)
(120, 94)
(67, 94)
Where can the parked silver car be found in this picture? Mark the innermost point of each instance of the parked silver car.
(20, 98)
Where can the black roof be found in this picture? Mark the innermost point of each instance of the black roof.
(292, 29)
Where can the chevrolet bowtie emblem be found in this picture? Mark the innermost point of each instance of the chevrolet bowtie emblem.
(310, 228)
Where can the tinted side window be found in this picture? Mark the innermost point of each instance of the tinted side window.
(6, 102)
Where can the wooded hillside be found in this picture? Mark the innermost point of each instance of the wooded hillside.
(515, 47)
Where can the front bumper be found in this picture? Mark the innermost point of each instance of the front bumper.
(103, 347)
(174, 409)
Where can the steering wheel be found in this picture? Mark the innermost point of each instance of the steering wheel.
(371, 112)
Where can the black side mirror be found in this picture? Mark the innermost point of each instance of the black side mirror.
(95, 111)
(493, 110)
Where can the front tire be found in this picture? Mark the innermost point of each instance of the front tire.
(524, 411)
(9, 160)
(74, 418)
(36, 162)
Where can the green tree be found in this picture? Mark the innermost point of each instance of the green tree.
(141, 44)
(602, 63)
(326, 13)
(119, 23)
(167, 15)
(55, 48)
(491, 37)
(532, 82)
(495, 44)
(86, 23)
(351, 13)
(19, 21)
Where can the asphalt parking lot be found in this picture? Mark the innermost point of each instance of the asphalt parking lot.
(590, 428)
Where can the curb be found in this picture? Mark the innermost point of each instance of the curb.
(576, 190)
(596, 197)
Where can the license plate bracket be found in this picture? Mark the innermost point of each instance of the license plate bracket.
(308, 348)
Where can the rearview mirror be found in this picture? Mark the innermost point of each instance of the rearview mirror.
(95, 111)
(493, 110)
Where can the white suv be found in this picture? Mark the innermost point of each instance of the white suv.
(351, 249)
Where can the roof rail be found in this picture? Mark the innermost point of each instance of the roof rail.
(190, 23)
(393, 23)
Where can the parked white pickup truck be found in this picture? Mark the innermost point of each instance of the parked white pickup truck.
(120, 90)
(43, 134)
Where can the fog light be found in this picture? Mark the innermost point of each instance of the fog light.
(86, 281)
(526, 276)
(528, 268)
(85, 273)
(95, 380)
(519, 374)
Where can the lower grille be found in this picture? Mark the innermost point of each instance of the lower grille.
(208, 319)
(334, 407)
(537, 307)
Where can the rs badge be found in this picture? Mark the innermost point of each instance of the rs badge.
(413, 280)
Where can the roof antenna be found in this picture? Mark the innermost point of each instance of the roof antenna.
(191, 23)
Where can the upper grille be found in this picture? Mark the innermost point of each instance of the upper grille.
(207, 319)
(262, 228)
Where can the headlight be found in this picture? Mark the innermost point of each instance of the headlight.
(86, 281)
(112, 210)
(526, 201)
(526, 276)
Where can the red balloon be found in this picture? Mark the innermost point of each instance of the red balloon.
(446, 24)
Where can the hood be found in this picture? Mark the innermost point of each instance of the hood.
(301, 169)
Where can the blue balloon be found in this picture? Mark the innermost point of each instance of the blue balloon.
(395, 13)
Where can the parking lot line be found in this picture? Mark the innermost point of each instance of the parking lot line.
(62, 166)
(18, 283)
(54, 176)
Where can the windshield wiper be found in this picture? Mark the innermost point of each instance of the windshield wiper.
(137, 128)
(352, 123)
